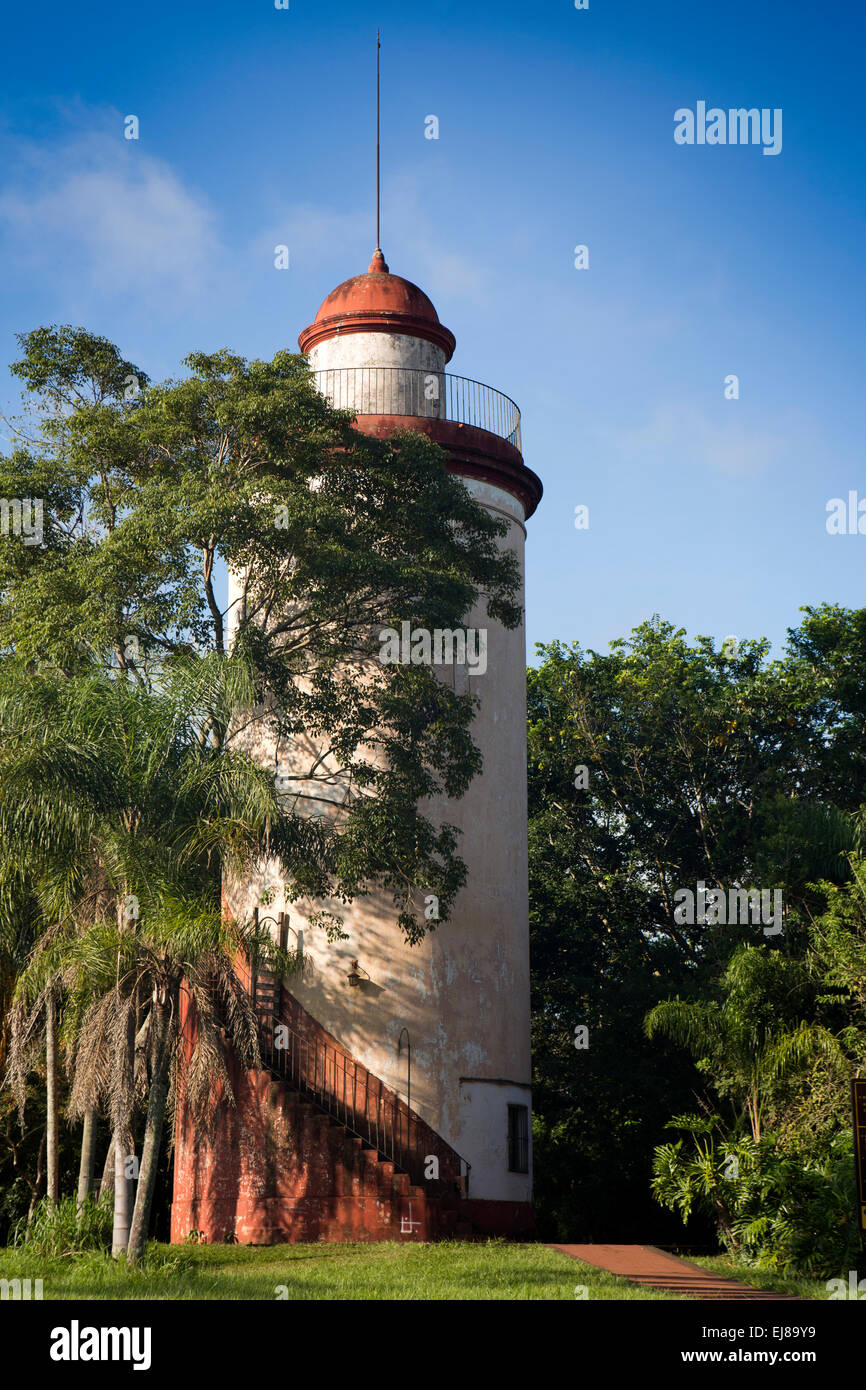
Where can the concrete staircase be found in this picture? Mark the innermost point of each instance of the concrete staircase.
(314, 1148)
(369, 1153)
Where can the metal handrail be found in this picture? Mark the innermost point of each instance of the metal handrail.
(346, 1089)
(425, 394)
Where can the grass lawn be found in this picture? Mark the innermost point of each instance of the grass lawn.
(455, 1270)
(799, 1284)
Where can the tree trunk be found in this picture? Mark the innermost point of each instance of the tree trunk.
(754, 1107)
(725, 1221)
(37, 1182)
(107, 1183)
(152, 1134)
(123, 1142)
(51, 1126)
(120, 1233)
(88, 1157)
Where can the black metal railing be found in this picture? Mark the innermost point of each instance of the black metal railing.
(344, 1088)
(426, 394)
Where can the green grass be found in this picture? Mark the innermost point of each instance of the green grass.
(800, 1284)
(450, 1270)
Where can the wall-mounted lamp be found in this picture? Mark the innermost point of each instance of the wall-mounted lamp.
(355, 976)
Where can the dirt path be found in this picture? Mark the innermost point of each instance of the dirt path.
(646, 1264)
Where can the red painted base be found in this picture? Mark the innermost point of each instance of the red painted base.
(489, 1218)
(278, 1170)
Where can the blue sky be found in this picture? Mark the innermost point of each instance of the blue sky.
(556, 129)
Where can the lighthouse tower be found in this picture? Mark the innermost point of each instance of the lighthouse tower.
(397, 1104)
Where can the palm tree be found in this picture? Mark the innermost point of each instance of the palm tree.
(744, 1042)
(130, 811)
(19, 932)
(88, 1155)
(33, 1034)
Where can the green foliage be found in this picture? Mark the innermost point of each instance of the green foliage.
(125, 817)
(334, 536)
(701, 766)
(66, 1229)
(750, 1041)
(776, 1208)
(790, 1201)
(22, 1149)
(127, 731)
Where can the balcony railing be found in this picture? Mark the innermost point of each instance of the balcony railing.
(429, 395)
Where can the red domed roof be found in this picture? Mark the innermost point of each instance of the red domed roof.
(378, 302)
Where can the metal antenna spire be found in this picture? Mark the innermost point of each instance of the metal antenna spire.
(378, 46)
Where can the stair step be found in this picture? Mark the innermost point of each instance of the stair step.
(286, 1088)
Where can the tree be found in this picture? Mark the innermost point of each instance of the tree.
(147, 492)
(755, 1036)
(780, 1043)
(133, 813)
(334, 536)
(88, 1155)
(660, 765)
(34, 1032)
(22, 1154)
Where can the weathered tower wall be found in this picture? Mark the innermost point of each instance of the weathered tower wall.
(463, 993)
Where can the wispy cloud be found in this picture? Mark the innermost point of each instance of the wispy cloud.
(95, 218)
(95, 214)
(437, 264)
(412, 243)
(313, 235)
(680, 434)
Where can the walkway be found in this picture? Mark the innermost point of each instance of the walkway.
(646, 1264)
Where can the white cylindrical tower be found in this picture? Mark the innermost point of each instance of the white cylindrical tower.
(461, 997)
